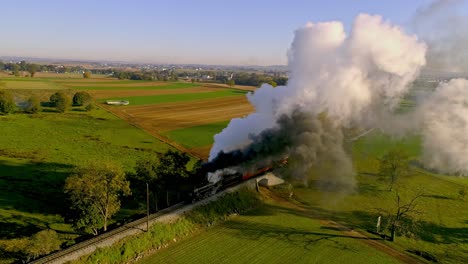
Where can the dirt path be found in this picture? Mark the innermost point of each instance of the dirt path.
(377, 244)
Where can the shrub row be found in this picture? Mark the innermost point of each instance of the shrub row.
(162, 233)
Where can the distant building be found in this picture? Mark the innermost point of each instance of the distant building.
(112, 102)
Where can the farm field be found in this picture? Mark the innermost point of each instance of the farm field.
(34, 165)
(442, 227)
(39, 151)
(280, 233)
(191, 124)
(163, 109)
(277, 232)
(183, 114)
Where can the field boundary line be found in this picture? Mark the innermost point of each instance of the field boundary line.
(156, 135)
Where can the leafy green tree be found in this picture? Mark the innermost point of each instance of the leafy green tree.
(42, 243)
(15, 69)
(87, 74)
(89, 107)
(146, 174)
(60, 101)
(172, 171)
(7, 102)
(33, 105)
(23, 65)
(231, 83)
(273, 83)
(82, 98)
(393, 165)
(32, 69)
(94, 192)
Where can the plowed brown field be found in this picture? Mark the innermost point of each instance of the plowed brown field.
(159, 118)
(169, 116)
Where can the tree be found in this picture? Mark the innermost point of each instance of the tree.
(172, 171)
(33, 105)
(82, 98)
(15, 69)
(462, 193)
(89, 107)
(7, 102)
(393, 165)
(42, 243)
(87, 74)
(146, 174)
(32, 69)
(94, 192)
(400, 217)
(231, 83)
(273, 83)
(60, 101)
(23, 65)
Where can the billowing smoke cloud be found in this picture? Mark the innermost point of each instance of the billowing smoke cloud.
(445, 132)
(336, 81)
(445, 30)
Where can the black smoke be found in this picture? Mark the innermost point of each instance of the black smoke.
(312, 144)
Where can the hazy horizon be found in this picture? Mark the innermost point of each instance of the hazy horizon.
(175, 32)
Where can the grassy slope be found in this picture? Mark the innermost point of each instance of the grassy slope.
(37, 153)
(444, 228)
(166, 98)
(274, 234)
(197, 136)
(270, 234)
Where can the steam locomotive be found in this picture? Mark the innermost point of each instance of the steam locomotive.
(228, 178)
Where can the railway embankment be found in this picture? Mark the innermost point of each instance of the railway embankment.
(131, 240)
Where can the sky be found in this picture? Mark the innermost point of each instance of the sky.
(238, 32)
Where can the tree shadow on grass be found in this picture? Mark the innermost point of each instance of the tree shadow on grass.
(426, 231)
(31, 193)
(307, 239)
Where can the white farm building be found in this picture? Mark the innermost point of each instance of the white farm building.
(112, 102)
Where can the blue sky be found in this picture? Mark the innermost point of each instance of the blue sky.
(175, 31)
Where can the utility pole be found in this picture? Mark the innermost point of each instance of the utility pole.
(147, 207)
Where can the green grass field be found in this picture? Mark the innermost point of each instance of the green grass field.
(275, 234)
(106, 86)
(442, 225)
(29, 84)
(270, 234)
(171, 98)
(37, 153)
(197, 136)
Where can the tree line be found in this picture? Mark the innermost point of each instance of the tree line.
(59, 100)
(32, 68)
(95, 191)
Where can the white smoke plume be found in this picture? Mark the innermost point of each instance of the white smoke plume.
(345, 76)
(214, 177)
(353, 79)
(443, 27)
(445, 131)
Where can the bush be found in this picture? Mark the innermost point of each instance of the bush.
(87, 74)
(33, 105)
(60, 101)
(43, 243)
(82, 98)
(7, 102)
(89, 107)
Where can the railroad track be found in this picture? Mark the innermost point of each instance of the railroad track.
(138, 226)
(113, 233)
